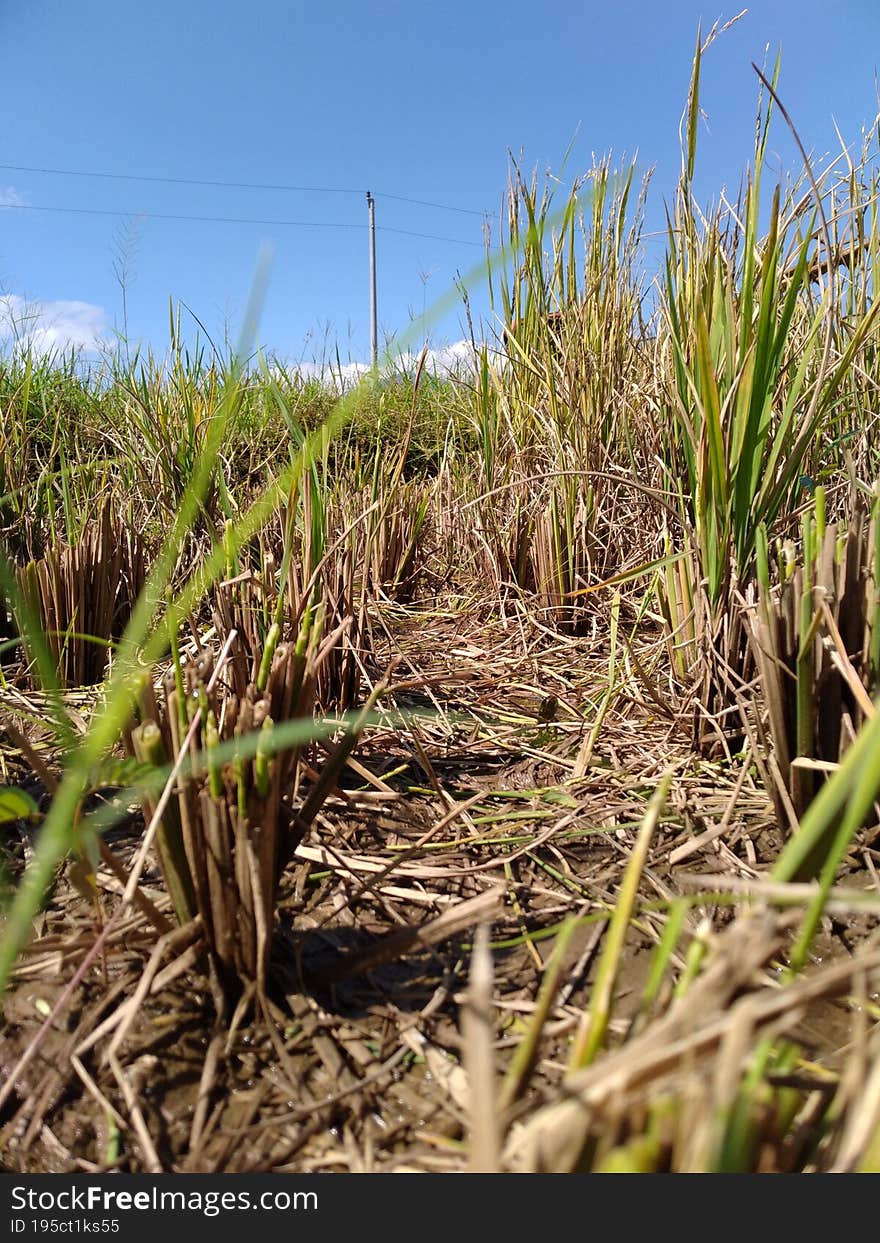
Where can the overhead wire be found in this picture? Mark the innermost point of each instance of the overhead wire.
(233, 185)
(299, 224)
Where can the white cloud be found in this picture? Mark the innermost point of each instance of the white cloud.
(459, 356)
(445, 360)
(57, 325)
(328, 372)
(10, 197)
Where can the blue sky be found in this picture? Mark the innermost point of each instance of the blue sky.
(416, 100)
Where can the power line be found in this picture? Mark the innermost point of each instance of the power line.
(297, 224)
(177, 181)
(230, 185)
(151, 215)
(466, 211)
(433, 237)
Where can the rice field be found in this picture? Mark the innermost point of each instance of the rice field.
(472, 771)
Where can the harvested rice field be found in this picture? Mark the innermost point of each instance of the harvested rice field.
(463, 772)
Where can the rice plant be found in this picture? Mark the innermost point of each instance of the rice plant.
(83, 596)
(225, 839)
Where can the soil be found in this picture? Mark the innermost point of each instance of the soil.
(352, 1058)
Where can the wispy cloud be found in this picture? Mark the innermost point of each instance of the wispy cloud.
(10, 197)
(53, 325)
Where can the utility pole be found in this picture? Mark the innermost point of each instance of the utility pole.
(374, 331)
